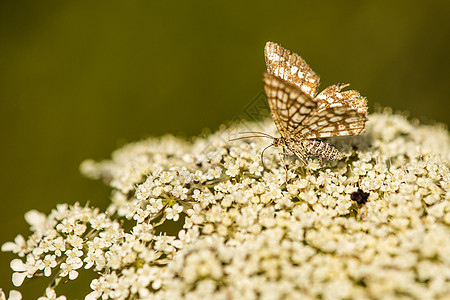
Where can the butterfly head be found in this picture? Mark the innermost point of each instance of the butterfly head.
(277, 142)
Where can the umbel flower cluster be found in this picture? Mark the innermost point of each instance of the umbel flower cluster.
(203, 219)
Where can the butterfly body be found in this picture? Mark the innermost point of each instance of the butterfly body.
(301, 115)
(320, 149)
(308, 148)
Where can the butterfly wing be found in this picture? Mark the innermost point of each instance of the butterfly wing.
(289, 106)
(300, 115)
(338, 114)
(332, 96)
(332, 121)
(291, 67)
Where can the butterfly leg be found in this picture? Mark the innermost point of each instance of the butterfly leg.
(321, 164)
(282, 159)
(302, 158)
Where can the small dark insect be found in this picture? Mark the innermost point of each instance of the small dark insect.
(360, 196)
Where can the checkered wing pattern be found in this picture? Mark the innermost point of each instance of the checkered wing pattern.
(335, 113)
(296, 116)
(291, 68)
(332, 121)
(332, 96)
(289, 106)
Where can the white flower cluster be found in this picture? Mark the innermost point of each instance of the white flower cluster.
(205, 220)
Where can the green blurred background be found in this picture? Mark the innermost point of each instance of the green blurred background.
(79, 79)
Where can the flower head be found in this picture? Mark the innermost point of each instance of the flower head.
(373, 226)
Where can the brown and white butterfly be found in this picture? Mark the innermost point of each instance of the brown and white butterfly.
(301, 116)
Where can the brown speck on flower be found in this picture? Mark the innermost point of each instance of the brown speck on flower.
(360, 196)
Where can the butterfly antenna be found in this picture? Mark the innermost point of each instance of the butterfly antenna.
(249, 137)
(262, 155)
(257, 132)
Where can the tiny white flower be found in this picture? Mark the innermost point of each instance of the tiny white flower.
(255, 168)
(36, 219)
(157, 191)
(155, 205)
(166, 177)
(180, 192)
(141, 215)
(19, 246)
(70, 268)
(50, 294)
(75, 241)
(49, 262)
(232, 170)
(13, 295)
(172, 213)
(18, 278)
(20, 271)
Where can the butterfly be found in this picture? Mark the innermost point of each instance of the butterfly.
(301, 116)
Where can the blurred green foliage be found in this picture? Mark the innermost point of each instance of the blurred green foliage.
(80, 78)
